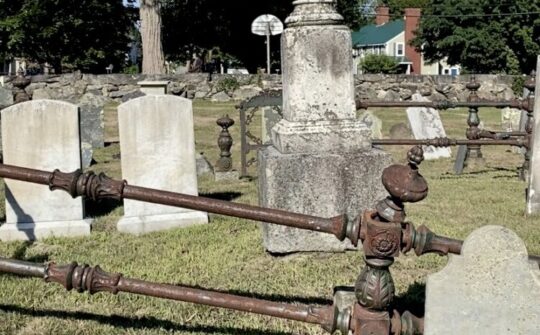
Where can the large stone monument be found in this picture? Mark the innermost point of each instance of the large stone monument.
(43, 135)
(533, 191)
(158, 151)
(321, 161)
(491, 288)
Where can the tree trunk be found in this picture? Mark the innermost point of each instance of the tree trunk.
(152, 49)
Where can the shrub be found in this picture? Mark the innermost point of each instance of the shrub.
(379, 64)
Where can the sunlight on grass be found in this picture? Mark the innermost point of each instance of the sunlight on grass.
(227, 254)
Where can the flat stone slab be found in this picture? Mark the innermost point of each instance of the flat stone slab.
(491, 288)
(426, 123)
(227, 176)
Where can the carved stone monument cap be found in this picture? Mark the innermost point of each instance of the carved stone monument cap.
(314, 12)
(491, 288)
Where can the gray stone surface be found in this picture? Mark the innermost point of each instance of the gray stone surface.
(6, 98)
(92, 123)
(491, 288)
(318, 184)
(203, 165)
(158, 151)
(374, 123)
(426, 123)
(533, 191)
(220, 97)
(42, 135)
(227, 176)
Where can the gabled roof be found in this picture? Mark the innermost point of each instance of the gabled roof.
(377, 35)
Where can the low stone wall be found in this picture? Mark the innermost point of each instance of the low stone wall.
(123, 87)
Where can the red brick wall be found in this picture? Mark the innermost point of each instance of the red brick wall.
(383, 15)
(412, 19)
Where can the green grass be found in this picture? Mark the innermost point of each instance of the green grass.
(228, 255)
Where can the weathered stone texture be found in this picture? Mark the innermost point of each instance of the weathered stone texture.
(491, 288)
(317, 184)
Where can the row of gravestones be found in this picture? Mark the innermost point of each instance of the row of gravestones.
(157, 148)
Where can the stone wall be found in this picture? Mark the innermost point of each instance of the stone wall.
(122, 87)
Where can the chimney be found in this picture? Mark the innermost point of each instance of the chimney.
(383, 15)
(412, 20)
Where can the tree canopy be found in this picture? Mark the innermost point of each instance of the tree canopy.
(482, 36)
(87, 34)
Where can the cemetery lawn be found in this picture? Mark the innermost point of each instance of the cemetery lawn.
(227, 254)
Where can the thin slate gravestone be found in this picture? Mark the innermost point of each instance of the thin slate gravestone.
(43, 135)
(426, 123)
(491, 288)
(158, 151)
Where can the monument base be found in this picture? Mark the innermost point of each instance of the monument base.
(138, 225)
(324, 184)
(41, 230)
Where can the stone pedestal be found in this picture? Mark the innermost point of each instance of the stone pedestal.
(153, 87)
(491, 288)
(321, 162)
(322, 184)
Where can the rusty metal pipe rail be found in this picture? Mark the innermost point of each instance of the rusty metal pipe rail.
(94, 279)
(100, 186)
(446, 142)
(518, 104)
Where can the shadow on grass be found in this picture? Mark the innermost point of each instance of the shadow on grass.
(227, 196)
(414, 300)
(134, 323)
(101, 208)
(269, 297)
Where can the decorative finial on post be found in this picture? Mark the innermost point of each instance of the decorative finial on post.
(225, 142)
(19, 85)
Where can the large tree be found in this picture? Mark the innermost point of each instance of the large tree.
(152, 48)
(85, 34)
(483, 36)
(205, 24)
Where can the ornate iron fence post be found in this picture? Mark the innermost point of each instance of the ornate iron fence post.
(225, 143)
(530, 84)
(473, 133)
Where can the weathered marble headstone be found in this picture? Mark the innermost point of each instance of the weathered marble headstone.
(533, 191)
(153, 87)
(6, 98)
(158, 151)
(426, 123)
(374, 123)
(511, 121)
(44, 135)
(321, 161)
(270, 117)
(491, 288)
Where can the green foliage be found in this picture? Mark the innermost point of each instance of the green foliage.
(132, 69)
(86, 34)
(200, 25)
(379, 64)
(397, 7)
(518, 84)
(227, 84)
(461, 31)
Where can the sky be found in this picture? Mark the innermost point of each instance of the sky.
(136, 2)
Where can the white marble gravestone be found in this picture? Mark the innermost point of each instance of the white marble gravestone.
(43, 135)
(158, 151)
(426, 123)
(492, 288)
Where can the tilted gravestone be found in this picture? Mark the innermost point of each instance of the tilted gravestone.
(44, 135)
(426, 123)
(158, 151)
(491, 288)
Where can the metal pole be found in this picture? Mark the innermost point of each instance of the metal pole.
(94, 279)
(268, 47)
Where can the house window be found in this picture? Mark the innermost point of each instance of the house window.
(400, 49)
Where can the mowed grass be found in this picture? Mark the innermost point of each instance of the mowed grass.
(227, 254)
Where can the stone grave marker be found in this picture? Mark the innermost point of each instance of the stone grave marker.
(158, 151)
(491, 288)
(533, 191)
(270, 117)
(426, 123)
(44, 135)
